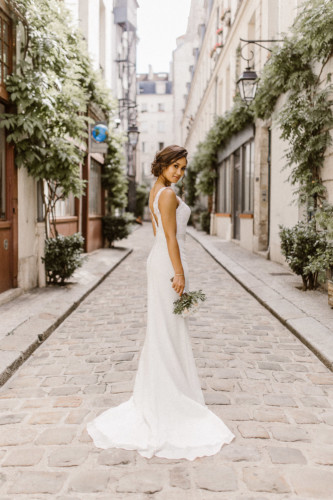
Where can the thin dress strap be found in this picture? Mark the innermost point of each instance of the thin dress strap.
(153, 211)
(155, 202)
(155, 205)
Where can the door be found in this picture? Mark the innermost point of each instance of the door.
(8, 180)
(6, 246)
(237, 194)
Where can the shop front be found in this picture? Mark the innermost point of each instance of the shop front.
(232, 218)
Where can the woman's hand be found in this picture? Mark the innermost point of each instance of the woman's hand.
(178, 283)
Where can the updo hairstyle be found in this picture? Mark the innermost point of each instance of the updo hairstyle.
(166, 157)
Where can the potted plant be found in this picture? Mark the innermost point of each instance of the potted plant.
(324, 217)
(304, 249)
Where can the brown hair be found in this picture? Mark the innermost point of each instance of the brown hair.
(166, 157)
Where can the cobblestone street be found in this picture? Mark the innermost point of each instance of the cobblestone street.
(269, 388)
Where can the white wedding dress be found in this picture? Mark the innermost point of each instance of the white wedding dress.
(166, 415)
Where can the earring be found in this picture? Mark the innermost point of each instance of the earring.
(183, 189)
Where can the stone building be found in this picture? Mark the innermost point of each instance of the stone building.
(155, 119)
(252, 195)
(107, 26)
(184, 59)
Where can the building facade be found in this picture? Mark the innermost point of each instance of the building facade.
(155, 120)
(105, 26)
(184, 60)
(252, 195)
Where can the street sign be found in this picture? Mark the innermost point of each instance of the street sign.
(98, 133)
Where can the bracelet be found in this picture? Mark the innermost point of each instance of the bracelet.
(179, 275)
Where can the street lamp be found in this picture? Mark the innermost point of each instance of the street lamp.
(133, 135)
(248, 81)
(247, 84)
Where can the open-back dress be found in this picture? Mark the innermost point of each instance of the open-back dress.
(166, 414)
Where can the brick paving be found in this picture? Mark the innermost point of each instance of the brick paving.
(273, 393)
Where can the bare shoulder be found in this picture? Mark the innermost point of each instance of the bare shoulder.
(168, 197)
(168, 194)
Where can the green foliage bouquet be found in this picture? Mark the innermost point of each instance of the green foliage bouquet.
(188, 303)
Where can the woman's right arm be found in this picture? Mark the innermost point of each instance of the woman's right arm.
(167, 204)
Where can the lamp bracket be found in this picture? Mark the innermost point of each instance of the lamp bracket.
(254, 42)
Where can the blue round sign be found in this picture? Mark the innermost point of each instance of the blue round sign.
(100, 132)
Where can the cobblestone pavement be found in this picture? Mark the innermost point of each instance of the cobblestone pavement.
(272, 392)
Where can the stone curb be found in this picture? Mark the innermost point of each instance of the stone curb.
(313, 334)
(21, 342)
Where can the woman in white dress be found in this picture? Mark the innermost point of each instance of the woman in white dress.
(166, 415)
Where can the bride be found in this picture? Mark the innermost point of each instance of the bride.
(166, 415)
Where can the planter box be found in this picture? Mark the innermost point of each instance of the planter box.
(330, 292)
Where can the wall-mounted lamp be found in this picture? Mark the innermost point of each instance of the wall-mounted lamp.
(133, 135)
(248, 81)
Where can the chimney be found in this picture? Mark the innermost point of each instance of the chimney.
(150, 73)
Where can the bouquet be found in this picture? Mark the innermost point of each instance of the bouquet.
(188, 303)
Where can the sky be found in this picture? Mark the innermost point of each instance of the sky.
(160, 22)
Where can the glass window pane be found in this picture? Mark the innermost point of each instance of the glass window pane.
(223, 188)
(5, 31)
(227, 187)
(252, 177)
(160, 126)
(248, 177)
(5, 34)
(66, 208)
(246, 172)
(5, 54)
(95, 190)
(2, 169)
(220, 190)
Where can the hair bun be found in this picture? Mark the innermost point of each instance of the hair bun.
(166, 157)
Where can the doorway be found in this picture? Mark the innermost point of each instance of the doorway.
(8, 209)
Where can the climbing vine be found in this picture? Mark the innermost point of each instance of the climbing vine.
(52, 87)
(113, 177)
(296, 68)
(204, 162)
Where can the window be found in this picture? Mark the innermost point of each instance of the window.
(223, 191)
(160, 87)
(160, 145)
(147, 170)
(2, 169)
(65, 208)
(144, 107)
(95, 188)
(144, 126)
(248, 177)
(160, 126)
(161, 106)
(5, 51)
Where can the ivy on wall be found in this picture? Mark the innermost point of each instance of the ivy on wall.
(296, 69)
(113, 177)
(51, 89)
(204, 161)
